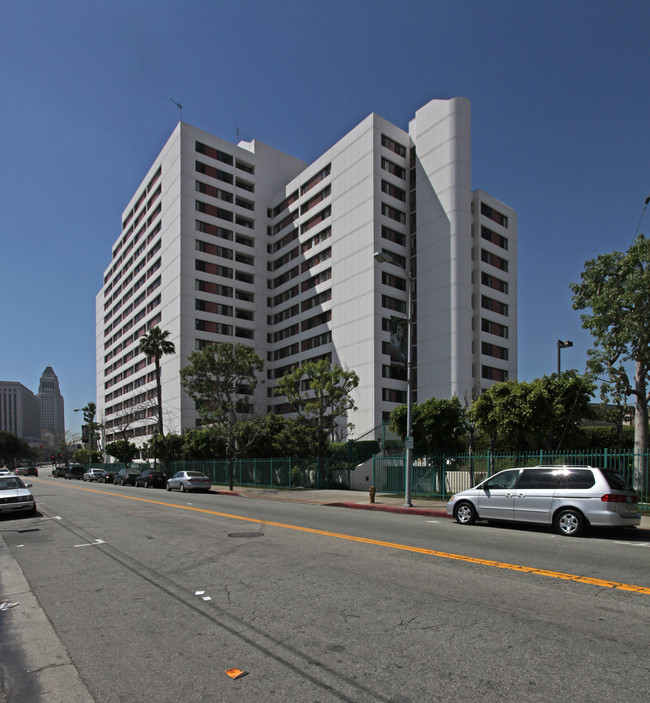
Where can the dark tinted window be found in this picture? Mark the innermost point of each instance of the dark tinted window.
(538, 478)
(576, 478)
(616, 481)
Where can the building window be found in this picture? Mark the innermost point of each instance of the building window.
(215, 288)
(393, 168)
(493, 237)
(214, 172)
(494, 328)
(391, 395)
(494, 215)
(393, 304)
(393, 236)
(214, 192)
(494, 305)
(317, 219)
(492, 374)
(494, 350)
(494, 260)
(393, 281)
(314, 180)
(393, 213)
(393, 191)
(495, 283)
(214, 153)
(391, 144)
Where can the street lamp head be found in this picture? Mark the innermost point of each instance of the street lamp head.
(382, 258)
(564, 344)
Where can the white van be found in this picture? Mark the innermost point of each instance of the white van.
(571, 498)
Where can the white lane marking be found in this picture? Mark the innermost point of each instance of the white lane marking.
(635, 544)
(91, 544)
(434, 522)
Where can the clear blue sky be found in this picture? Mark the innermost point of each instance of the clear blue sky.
(560, 95)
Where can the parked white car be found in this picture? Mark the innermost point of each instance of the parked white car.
(189, 481)
(571, 498)
(15, 495)
(93, 475)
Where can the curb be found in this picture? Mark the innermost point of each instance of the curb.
(431, 512)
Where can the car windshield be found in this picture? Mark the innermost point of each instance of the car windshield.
(10, 483)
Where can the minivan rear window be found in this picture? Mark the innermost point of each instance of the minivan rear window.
(616, 481)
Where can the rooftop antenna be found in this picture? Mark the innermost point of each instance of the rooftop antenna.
(179, 106)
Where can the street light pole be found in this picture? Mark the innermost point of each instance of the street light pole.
(383, 258)
(561, 345)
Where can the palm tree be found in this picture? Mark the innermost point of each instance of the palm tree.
(155, 343)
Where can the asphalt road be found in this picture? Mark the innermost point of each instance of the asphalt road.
(133, 594)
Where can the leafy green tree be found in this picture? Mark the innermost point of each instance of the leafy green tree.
(615, 293)
(276, 436)
(542, 414)
(122, 450)
(12, 448)
(155, 344)
(438, 425)
(221, 379)
(320, 394)
(91, 427)
(202, 444)
(166, 448)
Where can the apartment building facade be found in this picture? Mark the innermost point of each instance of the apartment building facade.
(243, 243)
(20, 412)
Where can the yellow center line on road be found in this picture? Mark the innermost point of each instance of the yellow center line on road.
(393, 545)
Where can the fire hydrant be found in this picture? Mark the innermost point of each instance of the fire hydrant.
(372, 491)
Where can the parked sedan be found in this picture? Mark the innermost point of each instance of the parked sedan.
(93, 475)
(148, 477)
(126, 476)
(21, 471)
(189, 481)
(106, 477)
(15, 496)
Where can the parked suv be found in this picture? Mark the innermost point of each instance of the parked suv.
(571, 498)
(75, 471)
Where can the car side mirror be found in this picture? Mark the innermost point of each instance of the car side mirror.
(28, 485)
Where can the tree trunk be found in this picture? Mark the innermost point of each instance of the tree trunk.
(640, 427)
(159, 398)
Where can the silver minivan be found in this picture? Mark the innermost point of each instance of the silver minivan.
(571, 498)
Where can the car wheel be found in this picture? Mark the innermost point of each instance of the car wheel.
(569, 522)
(182, 487)
(465, 513)
(168, 487)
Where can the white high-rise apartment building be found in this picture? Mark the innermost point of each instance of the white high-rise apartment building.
(243, 243)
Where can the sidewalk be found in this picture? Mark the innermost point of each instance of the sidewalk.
(359, 500)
